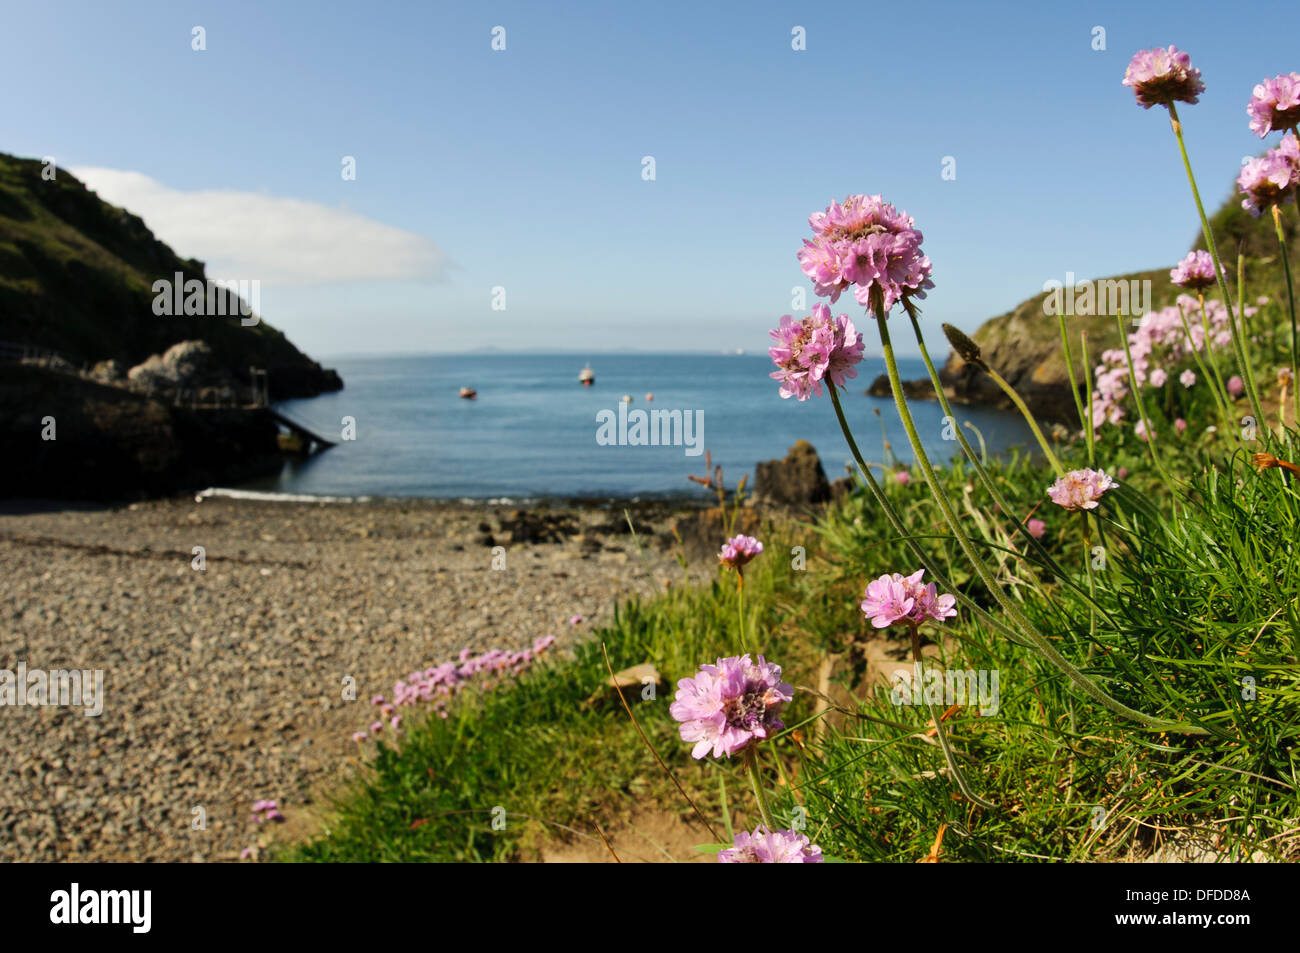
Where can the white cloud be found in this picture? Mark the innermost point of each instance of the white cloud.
(278, 241)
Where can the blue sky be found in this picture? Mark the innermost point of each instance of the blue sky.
(523, 168)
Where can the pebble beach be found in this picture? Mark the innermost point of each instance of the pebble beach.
(227, 684)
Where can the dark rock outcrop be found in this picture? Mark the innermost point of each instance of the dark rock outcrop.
(538, 526)
(109, 443)
(184, 366)
(914, 390)
(798, 480)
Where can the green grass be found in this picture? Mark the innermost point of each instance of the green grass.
(1193, 617)
(1190, 607)
(539, 750)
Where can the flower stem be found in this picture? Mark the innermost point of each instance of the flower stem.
(1237, 343)
(896, 523)
(1026, 629)
(1092, 583)
(1029, 417)
(756, 782)
(1216, 389)
(740, 607)
(949, 756)
(1209, 350)
(977, 464)
(1087, 377)
(1069, 367)
(1290, 297)
(1137, 398)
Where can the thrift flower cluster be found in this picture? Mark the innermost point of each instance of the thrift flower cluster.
(897, 598)
(1271, 179)
(811, 349)
(1080, 489)
(728, 706)
(770, 847)
(264, 811)
(739, 550)
(1160, 337)
(1195, 272)
(439, 684)
(867, 244)
(1275, 104)
(1163, 76)
(732, 705)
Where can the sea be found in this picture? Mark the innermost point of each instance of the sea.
(533, 432)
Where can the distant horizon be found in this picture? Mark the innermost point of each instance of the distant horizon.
(577, 355)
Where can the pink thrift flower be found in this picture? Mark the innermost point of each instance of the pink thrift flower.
(260, 806)
(376, 727)
(739, 550)
(1036, 528)
(1140, 430)
(1261, 300)
(1195, 272)
(1235, 385)
(577, 619)
(774, 847)
(359, 736)
(1266, 181)
(1158, 377)
(812, 349)
(903, 477)
(1163, 76)
(888, 601)
(276, 816)
(1080, 489)
(1180, 425)
(728, 706)
(542, 643)
(377, 700)
(897, 598)
(1275, 104)
(1122, 473)
(867, 243)
(1284, 376)
(1187, 378)
(246, 853)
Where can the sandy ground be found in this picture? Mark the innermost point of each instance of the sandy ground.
(226, 685)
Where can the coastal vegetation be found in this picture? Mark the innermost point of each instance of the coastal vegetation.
(1128, 596)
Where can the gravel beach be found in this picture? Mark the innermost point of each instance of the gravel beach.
(225, 685)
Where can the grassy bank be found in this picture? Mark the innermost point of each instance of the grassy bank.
(1194, 619)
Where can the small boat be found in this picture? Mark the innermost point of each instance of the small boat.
(626, 398)
(649, 397)
(587, 376)
(468, 393)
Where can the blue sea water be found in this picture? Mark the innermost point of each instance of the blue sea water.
(532, 430)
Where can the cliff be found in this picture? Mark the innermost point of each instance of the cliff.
(96, 386)
(77, 276)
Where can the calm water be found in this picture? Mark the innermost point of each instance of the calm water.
(532, 430)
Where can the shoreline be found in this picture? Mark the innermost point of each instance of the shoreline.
(222, 686)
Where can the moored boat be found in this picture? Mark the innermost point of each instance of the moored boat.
(587, 376)
(468, 393)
